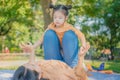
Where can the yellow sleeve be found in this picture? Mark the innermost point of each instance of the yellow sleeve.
(81, 36)
(78, 32)
(51, 26)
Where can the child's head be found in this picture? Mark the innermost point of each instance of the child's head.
(23, 73)
(60, 14)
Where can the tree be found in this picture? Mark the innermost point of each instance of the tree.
(14, 11)
(112, 21)
(46, 11)
(97, 11)
(18, 20)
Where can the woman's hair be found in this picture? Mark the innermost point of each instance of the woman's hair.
(61, 7)
(23, 73)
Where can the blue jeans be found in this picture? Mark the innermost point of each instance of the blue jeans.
(51, 45)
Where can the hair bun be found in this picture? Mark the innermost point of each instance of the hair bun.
(69, 6)
(51, 6)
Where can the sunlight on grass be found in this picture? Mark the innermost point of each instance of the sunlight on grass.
(9, 68)
(13, 62)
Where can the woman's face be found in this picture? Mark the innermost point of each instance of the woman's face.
(59, 18)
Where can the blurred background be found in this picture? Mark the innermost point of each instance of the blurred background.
(26, 20)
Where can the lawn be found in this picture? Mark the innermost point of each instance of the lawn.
(11, 63)
(109, 65)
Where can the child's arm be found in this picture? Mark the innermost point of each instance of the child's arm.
(81, 37)
(79, 69)
(39, 42)
(27, 48)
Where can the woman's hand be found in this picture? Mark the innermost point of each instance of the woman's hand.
(27, 48)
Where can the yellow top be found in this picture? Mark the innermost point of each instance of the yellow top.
(61, 30)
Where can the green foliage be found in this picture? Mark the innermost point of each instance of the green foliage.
(104, 13)
(112, 20)
(23, 21)
(14, 11)
(19, 21)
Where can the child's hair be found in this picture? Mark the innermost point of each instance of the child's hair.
(23, 73)
(62, 8)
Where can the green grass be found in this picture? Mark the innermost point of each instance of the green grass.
(109, 65)
(9, 68)
(16, 60)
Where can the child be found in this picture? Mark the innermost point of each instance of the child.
(60, 40)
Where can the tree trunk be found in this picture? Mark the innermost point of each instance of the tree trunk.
(112, 55)
(47, 12)
(111, 47)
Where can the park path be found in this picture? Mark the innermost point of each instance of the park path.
(12, 63)
(7, 63)
(7, 75)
